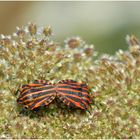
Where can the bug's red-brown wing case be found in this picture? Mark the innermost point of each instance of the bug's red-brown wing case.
(74, 94)
(36, 94)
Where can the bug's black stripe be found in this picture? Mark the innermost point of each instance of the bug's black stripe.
(38, 89)
(34, 96)
(76, 92)
(80, 89)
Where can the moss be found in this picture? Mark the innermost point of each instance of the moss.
(114, 83)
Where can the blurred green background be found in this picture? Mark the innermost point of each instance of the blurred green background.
(104, 24)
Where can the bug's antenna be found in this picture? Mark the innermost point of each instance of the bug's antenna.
(88, 112)
(86, 79)
(14, 93)
(10, 89)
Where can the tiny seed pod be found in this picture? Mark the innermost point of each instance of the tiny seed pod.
(47, 31)
(88, 51)
(43, 43)
(73, 42)
(77, 56)
(32, 29)
(20, 33)
(29, 44)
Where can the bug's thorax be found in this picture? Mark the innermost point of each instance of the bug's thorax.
(56, 88)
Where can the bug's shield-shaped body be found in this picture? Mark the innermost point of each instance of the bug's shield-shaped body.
(73, 94)
(36, 94)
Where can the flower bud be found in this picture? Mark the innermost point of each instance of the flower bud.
(73, 42)
(88, 51)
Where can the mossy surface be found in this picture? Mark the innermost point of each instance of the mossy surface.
(114, 83)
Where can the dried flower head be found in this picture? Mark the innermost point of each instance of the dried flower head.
(114, 84)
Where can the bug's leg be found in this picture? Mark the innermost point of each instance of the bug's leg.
(23, 110)
(58, 102)
(15, 92)
(88, 111)
(36, 110)
(49, 100)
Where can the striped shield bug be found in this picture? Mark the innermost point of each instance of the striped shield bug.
(74, 94)
(39, 93)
